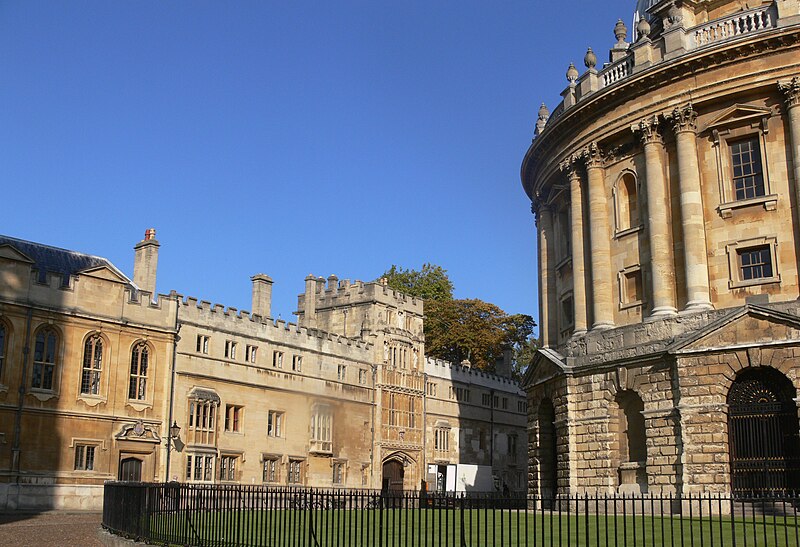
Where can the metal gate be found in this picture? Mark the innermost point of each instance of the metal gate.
(763, 434)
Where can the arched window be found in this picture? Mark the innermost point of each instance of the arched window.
(140, 355)
(627, 202)
(44, 359)
(92, 365)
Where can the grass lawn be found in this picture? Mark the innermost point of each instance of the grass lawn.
(470, 527)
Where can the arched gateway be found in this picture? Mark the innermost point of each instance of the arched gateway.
(393, 475)
(763, 433)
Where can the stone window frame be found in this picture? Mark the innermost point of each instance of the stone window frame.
(321, 429)
(755, 122)
(92, 365)
(625, 301)
(203, 342)
(78, 443)
(566, 324)
(207, 472)
(734, 250)
(277, 463)
(251, 353)
(562, 230)
(299, 473)
(276, 423)
(338, 470)
(234, 419)
(230, 349)
(620, 230)
(235, 471)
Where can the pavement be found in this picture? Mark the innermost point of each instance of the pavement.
(57, 528)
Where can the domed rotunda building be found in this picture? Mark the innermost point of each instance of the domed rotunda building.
(666, 188)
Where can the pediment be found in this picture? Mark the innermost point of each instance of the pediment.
(104, 272)
(547, 364)
(750, 325)
(737, 114)
(11, 253)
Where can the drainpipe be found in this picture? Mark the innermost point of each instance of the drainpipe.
(15, 449)
(170, 440)
(491, 430)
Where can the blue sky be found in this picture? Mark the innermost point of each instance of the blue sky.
(286, 137)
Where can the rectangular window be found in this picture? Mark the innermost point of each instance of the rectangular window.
(321, 430)
(441, 440)
(341, 372)
(227, 468)
(271, 469)
(84, 457)
(202, 343)
(233, 418)
(297, 363)
(522, 407)
(230, 349)
(512, 448)
(505, 403)
(495, 401)
(431, 389)
(277, 359)
(486, 399)
(201, 415)
(338, 472)
(748, 180)
(362, 376)
(250, 353)
(295, 472)
(755, 263)
(274, 423)
(199, 468)
(567, 312)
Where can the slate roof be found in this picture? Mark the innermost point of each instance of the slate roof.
(63, 261)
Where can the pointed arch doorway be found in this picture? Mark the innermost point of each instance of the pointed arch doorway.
(763, 433)
(393, 476)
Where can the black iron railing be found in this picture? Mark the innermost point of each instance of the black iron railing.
(233, 515)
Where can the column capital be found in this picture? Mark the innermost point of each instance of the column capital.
(592, 156)
(683, 118)
(569, 166)
(648, 130)
(791, 91)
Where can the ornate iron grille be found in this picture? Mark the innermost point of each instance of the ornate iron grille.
(763, 434)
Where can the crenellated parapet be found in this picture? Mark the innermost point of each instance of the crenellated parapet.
(439, 368)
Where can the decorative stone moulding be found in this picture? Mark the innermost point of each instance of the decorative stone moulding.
(620, 32)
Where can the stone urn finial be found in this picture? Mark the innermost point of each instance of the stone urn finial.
(643, 29)
(572, 73)
(620, 31)
(541, 122)
(590, 60)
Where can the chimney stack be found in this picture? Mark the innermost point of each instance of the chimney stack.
(145, 262)
(262, 295)
(310, 301)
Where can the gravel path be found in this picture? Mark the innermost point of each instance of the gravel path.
(61, 529)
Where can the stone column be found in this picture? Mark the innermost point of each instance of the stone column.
(578, 261)
(791, 91)
(547, 276)
(661, 264)
(694, 234)
(599, 239)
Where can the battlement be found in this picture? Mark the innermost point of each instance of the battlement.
(440, 368)
(205, 314)
(335, 293)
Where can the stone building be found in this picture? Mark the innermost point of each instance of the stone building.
(666, 187)
(95, 367)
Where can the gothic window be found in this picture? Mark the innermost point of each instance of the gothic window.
(140, 355)
(92, 365)
(202, 416)
(441, 441)
(44, 359)
(626, 202)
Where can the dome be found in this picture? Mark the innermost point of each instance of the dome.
(641, 11)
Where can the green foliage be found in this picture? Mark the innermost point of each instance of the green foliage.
(429, 283)
(458, 329)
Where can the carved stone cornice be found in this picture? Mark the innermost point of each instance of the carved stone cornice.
(593, 156)
(791, 91)
(569, 166)
(683, 119)
(648, 130)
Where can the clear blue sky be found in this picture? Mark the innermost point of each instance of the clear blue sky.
(286, 137)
